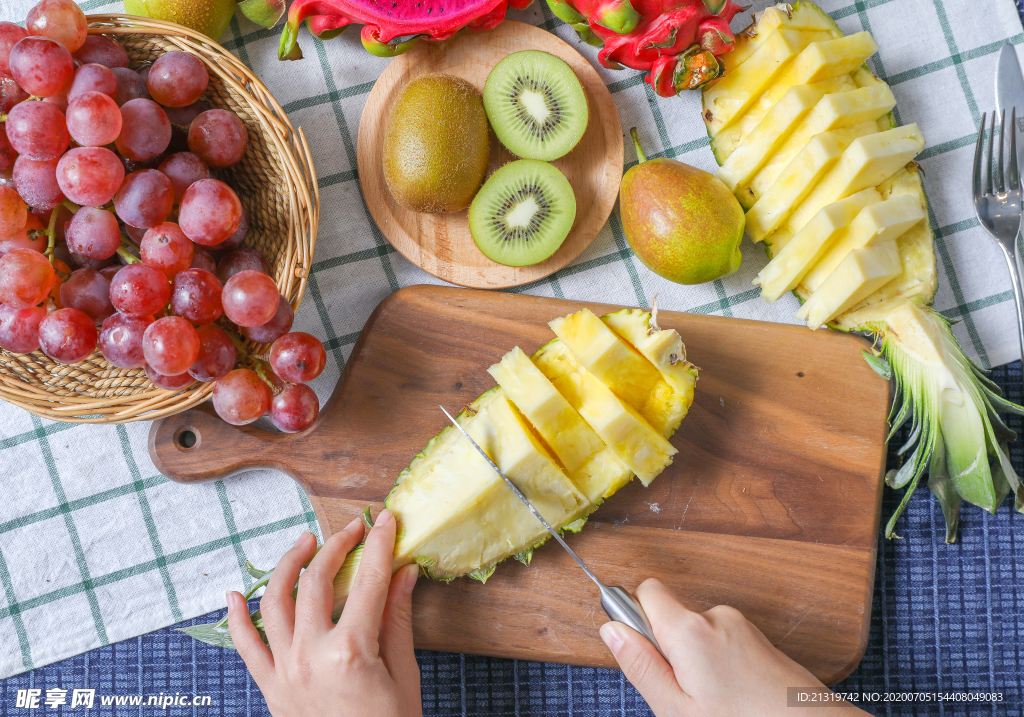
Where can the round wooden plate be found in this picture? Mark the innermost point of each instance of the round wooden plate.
(440, 243)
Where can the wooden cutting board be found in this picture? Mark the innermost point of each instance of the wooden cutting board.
(771, 506)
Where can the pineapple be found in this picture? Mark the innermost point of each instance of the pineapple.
(560, 434)
(839, 203)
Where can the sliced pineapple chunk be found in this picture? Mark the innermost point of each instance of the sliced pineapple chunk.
(864, 77)
(868, 161)
(797, 180)
(861, 272)
(662, 347)
(591, 465)
(793, 16)
(877, 223)
(621, 368)
(743, 158)
(819, 61)
(856, 109)
(789, 265)
(726, 99)
(458, 517)
(635, 441)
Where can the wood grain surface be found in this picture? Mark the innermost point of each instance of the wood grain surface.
(441, 243)
(771, 506)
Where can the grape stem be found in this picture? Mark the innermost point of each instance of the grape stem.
(124, 251)
(259, 365)
(51, 229)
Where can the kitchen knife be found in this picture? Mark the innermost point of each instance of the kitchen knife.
(616, 601)
(1010, 93)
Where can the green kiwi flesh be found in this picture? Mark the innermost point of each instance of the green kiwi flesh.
(523, 213)
(436, 145)
(536, 105)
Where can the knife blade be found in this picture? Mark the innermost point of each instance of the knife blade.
(1010, 93)
(616, 601)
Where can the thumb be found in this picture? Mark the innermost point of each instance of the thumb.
(396, 627)
(644, 668)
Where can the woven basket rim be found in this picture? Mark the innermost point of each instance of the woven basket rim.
(290, 148)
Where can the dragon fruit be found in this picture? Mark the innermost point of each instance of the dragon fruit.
(390, 28)
(677, 42)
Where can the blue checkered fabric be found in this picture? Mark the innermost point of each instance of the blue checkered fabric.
(945, 618)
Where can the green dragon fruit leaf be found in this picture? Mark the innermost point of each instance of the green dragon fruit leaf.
(265, 13)
(715, 7)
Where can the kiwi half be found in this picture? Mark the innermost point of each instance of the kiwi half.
(523, 213)
(536, 105)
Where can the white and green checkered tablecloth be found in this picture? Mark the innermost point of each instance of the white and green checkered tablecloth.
(96, 546)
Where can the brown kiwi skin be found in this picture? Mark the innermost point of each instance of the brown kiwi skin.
(436, 145)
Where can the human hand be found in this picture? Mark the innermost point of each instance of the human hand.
(364, 665)
(721, 665)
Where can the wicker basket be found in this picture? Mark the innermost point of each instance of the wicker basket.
(275, 181)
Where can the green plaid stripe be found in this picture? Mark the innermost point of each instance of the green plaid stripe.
(356, 267)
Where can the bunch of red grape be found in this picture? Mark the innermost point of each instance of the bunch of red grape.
(113, 171)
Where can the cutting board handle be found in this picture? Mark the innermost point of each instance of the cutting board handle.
(196, 445)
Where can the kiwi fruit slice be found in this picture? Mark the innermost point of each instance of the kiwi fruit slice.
(523, 213)
(436, 145)
(536, 105)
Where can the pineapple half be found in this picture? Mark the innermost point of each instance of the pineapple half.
(829, 185)
(570, 426)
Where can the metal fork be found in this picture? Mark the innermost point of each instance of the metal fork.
(999, 206)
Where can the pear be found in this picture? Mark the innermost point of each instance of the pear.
(682, 222)
(210, 17)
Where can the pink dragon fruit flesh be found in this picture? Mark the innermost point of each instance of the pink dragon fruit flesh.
(391, 27)
(677, 42)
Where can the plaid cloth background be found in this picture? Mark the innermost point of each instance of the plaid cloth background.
(96, 547)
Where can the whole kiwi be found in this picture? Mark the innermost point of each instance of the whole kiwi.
(435, 144)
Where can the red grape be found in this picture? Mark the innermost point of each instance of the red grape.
(183, 169)
(10, 94)
(121, 339)
(166, 248)
(131, 165)
(36, 182)
(201, 259)
(109, 271)
(37, 130)
(29, 237)
(10, 34)
(26, 277)
(145, 130)
(59, 100)
(294, 409)
(43, 67)
(240, 397)
(19, 328)
(244, 259)
(298, 357)
(183, 116)
(89, 291)
(139, 290)
(170, 345)
(61, 20)
(235, 240)
(217, 354)
(219, 137)
(210, 212)
(171, 383)
(93, 78)
(196, 296)
(90, 176)
(103, 51)
(93, 119)
(67, 335)
(250, 298)
(7, 158)
(177, 79)
(274, 329)
(13, 212)
(129, 85)
(93, 233)
(145, 199)
(84, 262)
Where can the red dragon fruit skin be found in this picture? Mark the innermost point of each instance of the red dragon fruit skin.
(676, 42)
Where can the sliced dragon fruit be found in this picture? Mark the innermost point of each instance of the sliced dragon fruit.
(391, 26)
